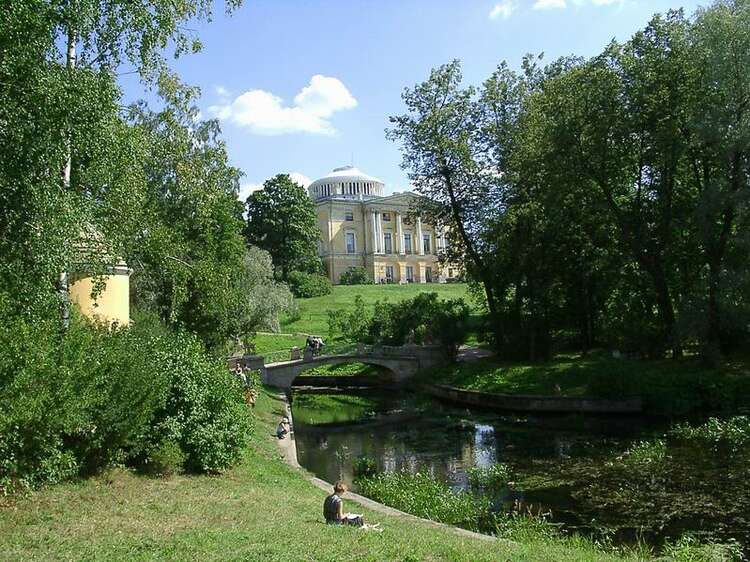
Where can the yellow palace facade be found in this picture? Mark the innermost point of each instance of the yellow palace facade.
(360, 227)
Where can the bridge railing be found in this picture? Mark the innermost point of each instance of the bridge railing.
(277, 356)
(334, 348)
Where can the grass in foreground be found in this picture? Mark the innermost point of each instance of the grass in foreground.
(261, 510)
(667, 386)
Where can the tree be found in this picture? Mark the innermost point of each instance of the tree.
(190, 261)
(69, 167)
(442, 157)
(281, 219)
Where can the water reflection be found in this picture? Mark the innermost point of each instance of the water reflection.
(401, 431)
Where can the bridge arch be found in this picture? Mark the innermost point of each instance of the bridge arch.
(282, 375)
(384, 374)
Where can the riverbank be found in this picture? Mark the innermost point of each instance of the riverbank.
(261, 510)
(666, 387)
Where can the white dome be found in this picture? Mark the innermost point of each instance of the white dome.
(346, 182)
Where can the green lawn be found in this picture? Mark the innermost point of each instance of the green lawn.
(667, 386)
(265, 343)
(314, 312)
(261, 510)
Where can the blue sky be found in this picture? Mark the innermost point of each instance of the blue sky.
(305, 86)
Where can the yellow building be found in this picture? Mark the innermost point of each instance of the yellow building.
(102, 296)
(110, 302)
(360, 227)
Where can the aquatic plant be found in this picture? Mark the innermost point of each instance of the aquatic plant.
(720, 435)
(423, 495)
(491, 480)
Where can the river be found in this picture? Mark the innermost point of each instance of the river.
(554, 458)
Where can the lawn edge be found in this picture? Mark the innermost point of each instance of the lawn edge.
(289, 453)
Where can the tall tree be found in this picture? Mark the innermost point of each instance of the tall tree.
(281, 219)
(443, 159)
(718, 156)
(68, 164)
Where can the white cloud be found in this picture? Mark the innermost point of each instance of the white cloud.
(503, 9)
(549, 4)
(246, 189)
(221, 91)
(301, 179)
(249, 187)
(266, 114)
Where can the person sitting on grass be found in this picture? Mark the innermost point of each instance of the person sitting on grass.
(333, 508)
(283, 428)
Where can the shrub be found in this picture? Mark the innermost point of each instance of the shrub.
(306, 285)
(166, 459)
(77, 402)
(351, 325)
(355, 276)
(204, 411)
(422, 319)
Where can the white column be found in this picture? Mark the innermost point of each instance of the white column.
(401, 249)
(419, 236)
(374, 236)
(381, 240)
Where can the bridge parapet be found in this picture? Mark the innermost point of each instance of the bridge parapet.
(403, 361)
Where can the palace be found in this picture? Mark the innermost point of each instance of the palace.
(360, 227)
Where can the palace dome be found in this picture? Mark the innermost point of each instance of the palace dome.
(346, 182)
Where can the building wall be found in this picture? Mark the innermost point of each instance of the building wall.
(112, 304)
(333, 226)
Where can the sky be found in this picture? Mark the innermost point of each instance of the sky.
(303, 86)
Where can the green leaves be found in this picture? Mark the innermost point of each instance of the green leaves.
(281, 219)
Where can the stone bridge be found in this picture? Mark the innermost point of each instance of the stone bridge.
(403, 362)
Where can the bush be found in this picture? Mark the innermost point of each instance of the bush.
(351, 325)
(306, 285)
(355, 276)
(204, 411)
(422, 319)
(77, 402)
(167, 459)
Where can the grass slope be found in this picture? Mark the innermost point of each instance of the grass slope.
(667, 386)
(261, 510)
(313, 318)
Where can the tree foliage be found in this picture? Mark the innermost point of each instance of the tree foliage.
(601, 200)
(281, 219)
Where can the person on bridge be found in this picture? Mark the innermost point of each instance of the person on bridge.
(333, 508)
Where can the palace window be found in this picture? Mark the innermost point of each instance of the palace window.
(349, 216)
(351, 245)
(407, 243)
(389, 274)
(426, 243)
(386, 217)
(387, 242)
(428, 274)
(409, 274)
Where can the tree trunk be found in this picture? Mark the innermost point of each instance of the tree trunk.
(62, 281)
(712, 349)
(666, 310)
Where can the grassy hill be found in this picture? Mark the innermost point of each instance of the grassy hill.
(313, 313)
(261, 510)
